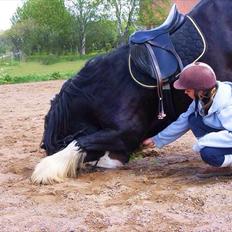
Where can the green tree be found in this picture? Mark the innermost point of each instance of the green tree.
(125, 13)
(153, 12)
(101, 35)
(3, 44)
(84, 12)
(52, 17)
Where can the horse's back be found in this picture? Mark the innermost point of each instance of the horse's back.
(214, 19)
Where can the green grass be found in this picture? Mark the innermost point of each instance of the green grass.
(35, 71)
(26, 68)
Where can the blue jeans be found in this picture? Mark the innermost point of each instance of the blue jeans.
(210, 155)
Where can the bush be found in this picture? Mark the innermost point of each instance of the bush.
(8, 63)
(7, 79)
(71, 58)
(56, 76)
(50, 59)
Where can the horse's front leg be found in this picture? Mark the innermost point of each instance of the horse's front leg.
(56, 167)
(68, 161)
(111, 149)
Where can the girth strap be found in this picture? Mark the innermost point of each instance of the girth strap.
(157, 73)
(170, 48)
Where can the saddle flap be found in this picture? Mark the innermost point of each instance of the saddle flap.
(166, 61)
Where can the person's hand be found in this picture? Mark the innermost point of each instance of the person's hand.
(148, 143)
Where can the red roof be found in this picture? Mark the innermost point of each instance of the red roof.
(184, 6)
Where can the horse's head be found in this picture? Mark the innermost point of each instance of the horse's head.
(56, 123)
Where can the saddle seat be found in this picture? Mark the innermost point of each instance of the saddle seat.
(152, 51)
(172, 23)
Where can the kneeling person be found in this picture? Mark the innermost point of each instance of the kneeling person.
(209, 117)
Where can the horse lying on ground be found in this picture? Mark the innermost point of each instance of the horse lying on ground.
(101, 115)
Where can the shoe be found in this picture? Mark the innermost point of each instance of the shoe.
(215, 171)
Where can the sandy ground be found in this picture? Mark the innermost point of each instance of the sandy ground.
(157, 192)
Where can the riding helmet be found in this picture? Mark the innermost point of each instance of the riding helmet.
(198, 76)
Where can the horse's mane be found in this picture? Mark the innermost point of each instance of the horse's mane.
(56, 121)
(218, 6)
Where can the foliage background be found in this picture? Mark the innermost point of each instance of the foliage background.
(60, 31)
(64, 27)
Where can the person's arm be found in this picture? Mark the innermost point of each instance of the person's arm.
(225, 117)
(175, 130)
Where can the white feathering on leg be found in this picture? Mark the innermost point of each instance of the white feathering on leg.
(106, 162)
(58, 166)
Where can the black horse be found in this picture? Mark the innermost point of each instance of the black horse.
(104, 113)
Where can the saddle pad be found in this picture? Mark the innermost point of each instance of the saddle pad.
(188, 42)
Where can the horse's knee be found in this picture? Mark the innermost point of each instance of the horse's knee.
(209, 156)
